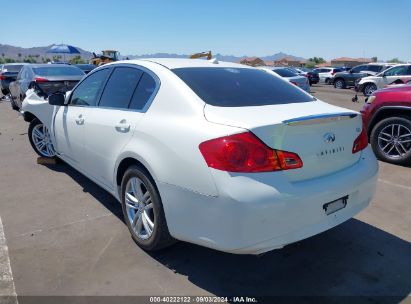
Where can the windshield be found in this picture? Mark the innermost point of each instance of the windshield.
(58, 71)
(240, 87)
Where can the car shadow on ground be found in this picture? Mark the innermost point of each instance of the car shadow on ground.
(102, 196)
(353, 259)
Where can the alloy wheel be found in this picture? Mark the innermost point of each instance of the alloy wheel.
(42, 141)
(369, 89)
(395, 140)
(139, 208)
(339, 84)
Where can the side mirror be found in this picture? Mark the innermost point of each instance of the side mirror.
(57, 99)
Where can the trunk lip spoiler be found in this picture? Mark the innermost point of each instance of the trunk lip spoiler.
(320, 118)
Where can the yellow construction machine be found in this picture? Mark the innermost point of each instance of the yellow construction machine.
(106, 56)
(202, 54)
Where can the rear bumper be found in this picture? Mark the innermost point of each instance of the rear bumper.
(255, 213)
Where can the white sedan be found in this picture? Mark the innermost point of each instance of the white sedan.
(218, 154)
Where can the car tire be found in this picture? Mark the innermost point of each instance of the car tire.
(339, 83)
(148, 226)
(37, 133)
(381, 137)
(369, 89)
(13, 104)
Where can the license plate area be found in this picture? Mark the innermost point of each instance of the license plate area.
(336, 205)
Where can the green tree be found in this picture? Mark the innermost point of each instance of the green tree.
(76, 60)
(29, 59)
(57, 58)
(317, 60)
(395, 60)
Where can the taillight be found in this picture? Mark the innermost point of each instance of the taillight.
(244, 152)
(40, 79)
(361, 142)
(2, 77)
(333, 72)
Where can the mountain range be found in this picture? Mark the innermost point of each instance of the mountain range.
(230, 58)
(17, 53)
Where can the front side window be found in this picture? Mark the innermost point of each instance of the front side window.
(88, 91)
(120, 87)
(397, 71)
(240, 87)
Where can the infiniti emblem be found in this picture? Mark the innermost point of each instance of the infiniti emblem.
(329, 137)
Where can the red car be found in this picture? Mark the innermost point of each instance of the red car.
(387, 117)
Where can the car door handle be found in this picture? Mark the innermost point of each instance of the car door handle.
(80, 120)
(123, 126)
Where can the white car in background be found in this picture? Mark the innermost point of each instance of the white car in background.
(398, 74)
(218, 154)
(326, 74)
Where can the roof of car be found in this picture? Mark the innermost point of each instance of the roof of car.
(273, 67)
(174, 63)
(46, 65)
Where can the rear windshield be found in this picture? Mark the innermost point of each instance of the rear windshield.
(285, 73)
(58, 71)
(12, 67)
(240, 87)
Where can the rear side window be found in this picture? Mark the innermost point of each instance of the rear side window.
(240, 87)
(120, 87)
(144, 91)
(88, 91)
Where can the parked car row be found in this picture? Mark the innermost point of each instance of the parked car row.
(398, 74)
(342, 80)
(46, 79)
(17, 78)
(367, 78)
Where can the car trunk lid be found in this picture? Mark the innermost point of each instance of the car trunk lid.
(321, 134)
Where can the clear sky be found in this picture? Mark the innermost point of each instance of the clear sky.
(306, 28)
